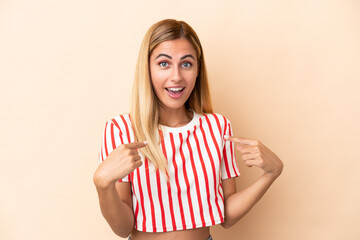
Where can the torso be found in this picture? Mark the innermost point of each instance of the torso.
(192, 201)
(189, 234)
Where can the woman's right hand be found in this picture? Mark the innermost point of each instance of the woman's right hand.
(119, 163)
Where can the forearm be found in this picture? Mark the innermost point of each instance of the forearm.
(118, 214)
(240, 203)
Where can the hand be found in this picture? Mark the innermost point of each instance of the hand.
(119, 163)
(254, 153)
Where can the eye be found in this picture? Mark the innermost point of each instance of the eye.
(187, 65)
(163, 64)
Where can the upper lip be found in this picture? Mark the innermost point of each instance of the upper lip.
(175, 87)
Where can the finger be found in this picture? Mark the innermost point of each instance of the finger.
(249, 149)
(136, 158)
(133, 151)
(244, 141)
(136, 145)
(251, 163)
(250, 156)
(139, 163)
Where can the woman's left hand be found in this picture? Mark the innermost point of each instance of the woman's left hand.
(254, 153)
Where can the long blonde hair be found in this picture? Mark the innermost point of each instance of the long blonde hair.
(144, 111)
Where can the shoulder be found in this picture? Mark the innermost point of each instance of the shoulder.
(217, 117)
(121, 122)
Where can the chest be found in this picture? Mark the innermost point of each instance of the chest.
(193, 161)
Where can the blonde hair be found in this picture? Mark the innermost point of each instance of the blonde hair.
(145, 107)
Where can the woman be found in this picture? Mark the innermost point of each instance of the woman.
(168, 168)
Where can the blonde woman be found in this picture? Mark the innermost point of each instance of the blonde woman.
(168, 167)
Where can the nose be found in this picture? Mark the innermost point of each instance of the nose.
(175, 74)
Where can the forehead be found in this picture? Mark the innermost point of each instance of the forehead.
(174, 47)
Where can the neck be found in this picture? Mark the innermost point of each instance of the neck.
(175, 117)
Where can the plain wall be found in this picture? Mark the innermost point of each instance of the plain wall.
(284, 72)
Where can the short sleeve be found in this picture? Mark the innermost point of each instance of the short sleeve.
(229, 166)
(112, 138)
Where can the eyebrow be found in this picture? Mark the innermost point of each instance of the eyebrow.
(165, 55)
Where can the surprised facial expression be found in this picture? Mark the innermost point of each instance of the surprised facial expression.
(173, 71)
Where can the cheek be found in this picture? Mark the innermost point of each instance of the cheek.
(191, 78)
(155, 78)
(157, 75)
(156, 81)
(155, 84)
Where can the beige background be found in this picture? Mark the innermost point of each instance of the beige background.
(284, 72)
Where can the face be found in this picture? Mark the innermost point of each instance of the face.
(173, 71)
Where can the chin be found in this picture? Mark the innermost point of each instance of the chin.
(173, 107)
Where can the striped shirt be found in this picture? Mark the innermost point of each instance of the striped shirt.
(198, 159)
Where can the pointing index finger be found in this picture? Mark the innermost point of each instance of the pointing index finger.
(241, 140)
(135, 145)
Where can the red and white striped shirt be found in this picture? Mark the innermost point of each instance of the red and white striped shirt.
(198, 159)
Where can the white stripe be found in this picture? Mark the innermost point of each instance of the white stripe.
(201, 174)
(191, 178)
(220, 168)
(216, 162)
(174, 189)
(182, 182)
(155, 197)
(208, 169)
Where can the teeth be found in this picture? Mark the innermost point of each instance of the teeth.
(175, 89)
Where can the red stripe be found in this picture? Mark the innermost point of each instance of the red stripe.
(160, 200)
(112, 136)
(132, 180)
(217, 123)
(150, 195)
(196, 180)
(213, 169)
(177, 182)
(220, 186)
(231, 149)
(187, 182)
(137, 202)
(214, 139)
(168, 184)
(114, 144)
(220, 180)
(120, 133)
(224, 152)
(127, 132)
(103, 145)
(105, 142)
(126, 127)
(142, 200)
(206, 177)
(216, 145)
(225, 125)
(116, 123)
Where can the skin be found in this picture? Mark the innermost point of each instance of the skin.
(171, 64)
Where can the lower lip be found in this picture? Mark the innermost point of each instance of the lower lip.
(175, 95)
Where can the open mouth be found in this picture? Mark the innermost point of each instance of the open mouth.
(174, 90)
(175, 93)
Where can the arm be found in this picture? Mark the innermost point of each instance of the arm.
(238, 204)
(114, 196)
(116, 206)
(254, 153)
(118, 159)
